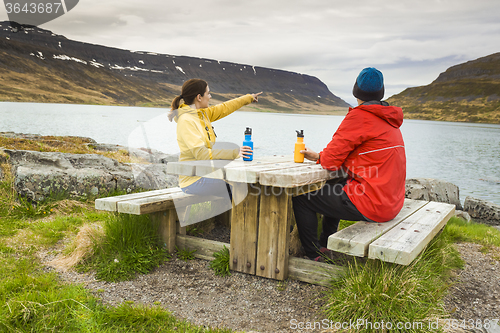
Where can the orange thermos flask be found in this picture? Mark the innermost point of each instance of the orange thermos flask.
(298, 157)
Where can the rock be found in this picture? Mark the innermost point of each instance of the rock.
(38, 174)
(433, 190)
(153, 176)
(145, 154)
(463, 215)
(152, 155)
(482, 210)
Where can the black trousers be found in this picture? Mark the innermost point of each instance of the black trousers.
(333, 203)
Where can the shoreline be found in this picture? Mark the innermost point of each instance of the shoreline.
(335, 111)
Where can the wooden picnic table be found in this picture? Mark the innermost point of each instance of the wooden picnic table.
(260, 222)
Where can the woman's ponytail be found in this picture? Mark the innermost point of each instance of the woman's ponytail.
(174, 108)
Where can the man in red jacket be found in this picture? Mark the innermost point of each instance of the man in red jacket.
(368, 145)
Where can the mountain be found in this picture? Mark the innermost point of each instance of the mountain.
(467, 92)
(37, 65)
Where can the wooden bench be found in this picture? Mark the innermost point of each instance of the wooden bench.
(397, 241)
(159, 204)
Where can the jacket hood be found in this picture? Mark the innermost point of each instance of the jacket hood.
(184, 108)
(393, 115)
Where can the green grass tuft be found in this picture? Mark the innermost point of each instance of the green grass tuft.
(459, 230)
(185, 254)
(379, 291)
(221, 263)
(130, 246)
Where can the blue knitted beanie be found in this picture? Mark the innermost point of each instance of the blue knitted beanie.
(369, 85)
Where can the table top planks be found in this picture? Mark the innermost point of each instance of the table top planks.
(251, 174)
(278, 171)
(355, 239)
(295, 177)
(216, 168)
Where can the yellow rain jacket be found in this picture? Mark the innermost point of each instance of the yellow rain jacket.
(196, 136)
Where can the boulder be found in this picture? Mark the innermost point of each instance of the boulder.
(463, 215)
(482, 210)
(433, 190)
(145, 154)
(153, 176)
(38, 174)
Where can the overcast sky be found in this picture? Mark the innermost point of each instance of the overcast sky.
(411, 42)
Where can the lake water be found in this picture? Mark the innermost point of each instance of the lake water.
(467, 155)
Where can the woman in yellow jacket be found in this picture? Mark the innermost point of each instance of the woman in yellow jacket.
(196, 136)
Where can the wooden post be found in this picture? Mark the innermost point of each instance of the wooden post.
(167, 227)
(274, 233)
(244, 227)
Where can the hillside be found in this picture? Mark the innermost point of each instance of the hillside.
(37, 65)
(467, 92)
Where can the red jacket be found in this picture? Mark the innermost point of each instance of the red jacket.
(369, 145)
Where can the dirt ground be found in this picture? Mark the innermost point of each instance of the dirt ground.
(242, 302)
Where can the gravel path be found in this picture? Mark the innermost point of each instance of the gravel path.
(191, 290)
(475, 294)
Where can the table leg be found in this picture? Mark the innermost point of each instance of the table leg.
(274, 233)
(244, 226)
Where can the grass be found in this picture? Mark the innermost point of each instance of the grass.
(37, 302)
(459, 230)
(377, 291)
(129, 245)
(32, 300)
(72, 145)
(221, 263)
(119, 247)
(185, 254)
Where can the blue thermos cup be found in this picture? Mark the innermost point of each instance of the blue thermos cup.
(248, 142)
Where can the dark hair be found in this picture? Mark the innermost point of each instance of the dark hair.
(190, 89)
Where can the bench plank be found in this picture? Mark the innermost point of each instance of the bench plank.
(355, 239)
(111, 203)
(161, 203)
(403, 244)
